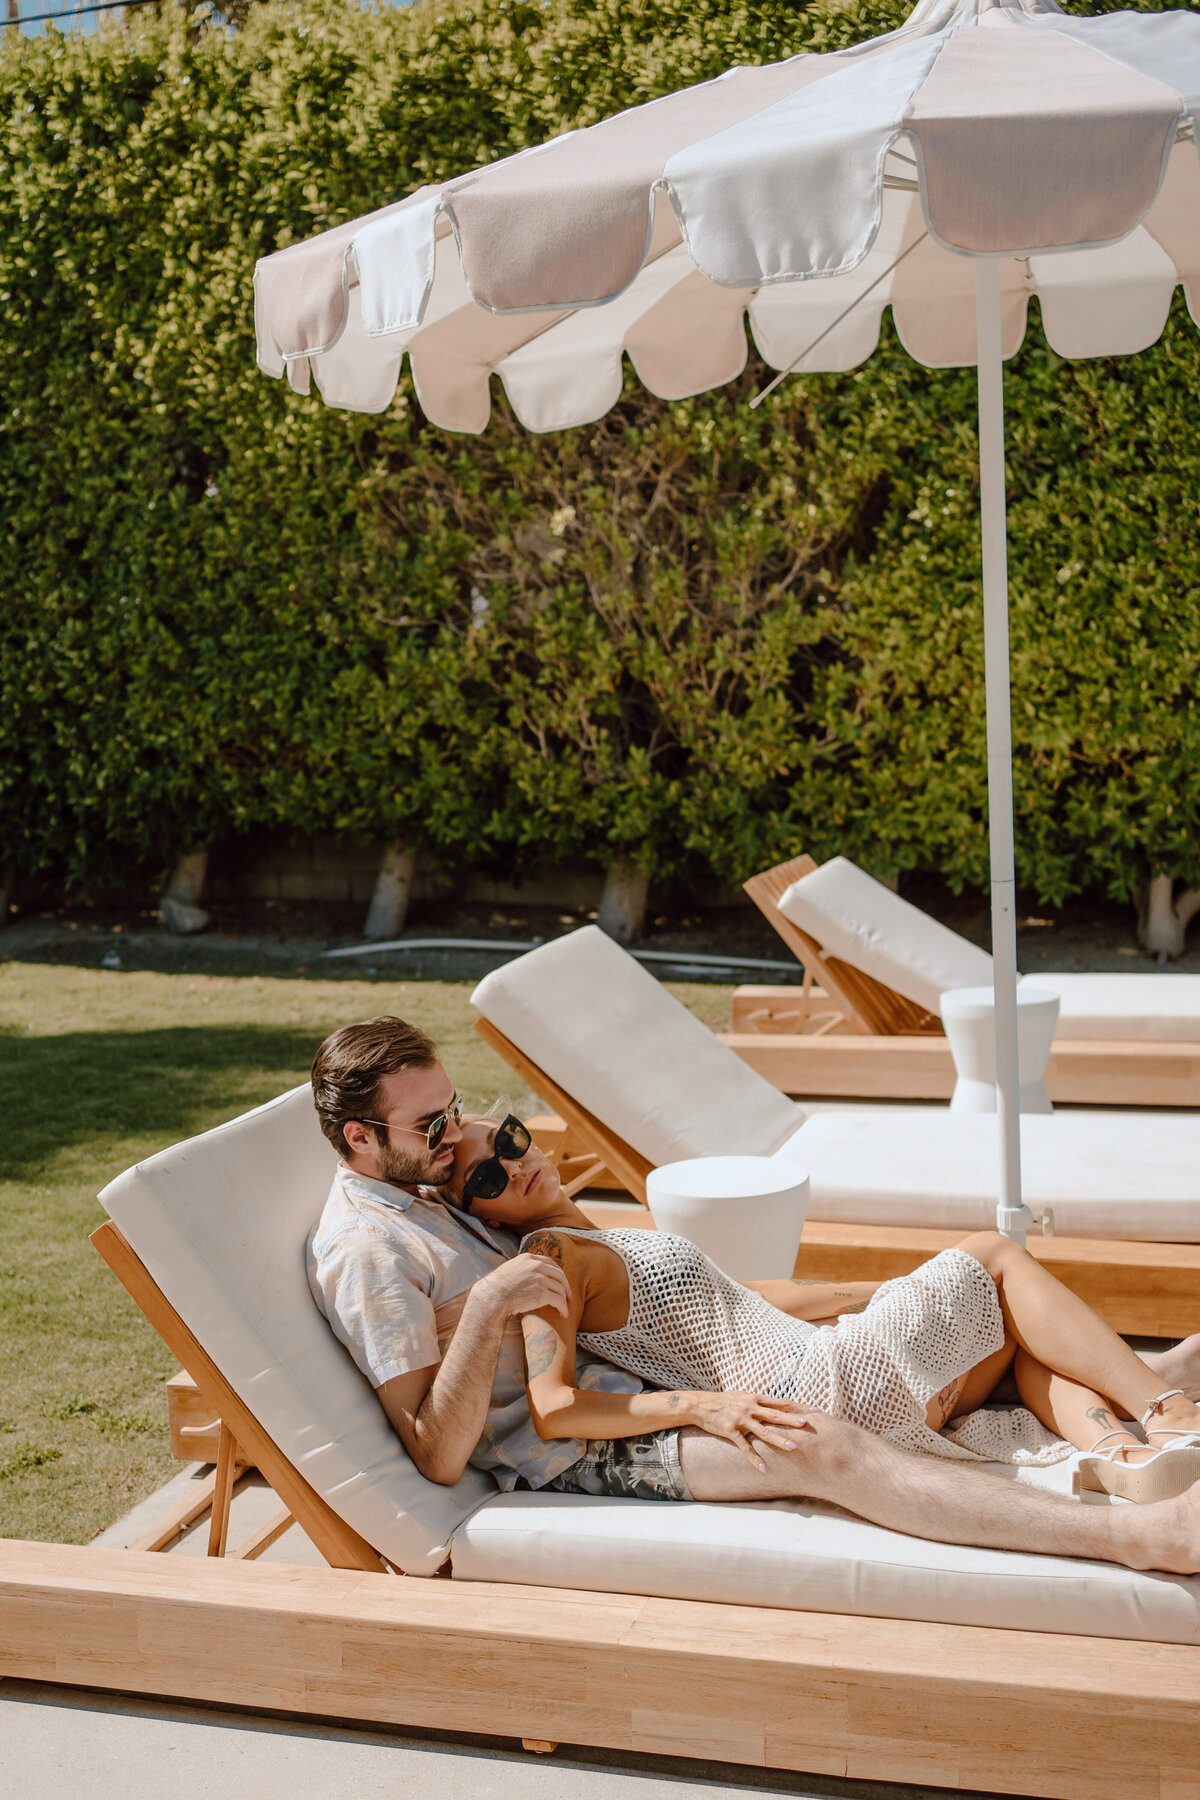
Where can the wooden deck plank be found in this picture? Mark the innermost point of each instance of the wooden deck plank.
(1081, 1072)
(1025, 1713)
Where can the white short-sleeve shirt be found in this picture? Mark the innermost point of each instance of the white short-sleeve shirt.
(391, 1272)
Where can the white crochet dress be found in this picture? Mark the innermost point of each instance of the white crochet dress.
(691, 1326)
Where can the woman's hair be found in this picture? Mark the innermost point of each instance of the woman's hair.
(350, 1065)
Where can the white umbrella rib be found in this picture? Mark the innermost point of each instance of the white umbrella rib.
(844, 314)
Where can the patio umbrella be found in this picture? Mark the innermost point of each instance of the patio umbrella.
(987, 151)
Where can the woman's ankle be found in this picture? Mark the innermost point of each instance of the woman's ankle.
(1176, 1414)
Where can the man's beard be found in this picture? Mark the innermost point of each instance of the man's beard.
(424, 1169)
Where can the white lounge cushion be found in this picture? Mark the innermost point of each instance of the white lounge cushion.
(1106, 1174)
(1142, 1008)
(221, 1223)
(601, 1027)
(815, 1559)
(855, 918)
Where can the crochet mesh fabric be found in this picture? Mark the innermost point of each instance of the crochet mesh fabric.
(691, 1326)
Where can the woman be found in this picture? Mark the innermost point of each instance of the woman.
(913, 1361)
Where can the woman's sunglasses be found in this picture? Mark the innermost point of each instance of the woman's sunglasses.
(488, 1179)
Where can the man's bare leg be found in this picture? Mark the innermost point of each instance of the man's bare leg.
(951, 1502)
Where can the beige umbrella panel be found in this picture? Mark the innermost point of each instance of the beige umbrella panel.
(684, 334)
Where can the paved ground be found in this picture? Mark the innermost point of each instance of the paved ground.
(66, 1744)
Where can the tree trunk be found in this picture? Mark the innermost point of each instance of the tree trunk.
(1164, 916)
(180, 910)
(389, 902)
(623, 907)
(8, 881)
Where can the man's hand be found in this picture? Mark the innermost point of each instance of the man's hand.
(526, 1284)
(439, 1412)
(740, 1418)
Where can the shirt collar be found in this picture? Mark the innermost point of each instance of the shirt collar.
(365, 1187)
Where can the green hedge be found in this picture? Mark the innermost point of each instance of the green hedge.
(693, 635)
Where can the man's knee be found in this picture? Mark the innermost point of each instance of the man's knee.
(827, 1453)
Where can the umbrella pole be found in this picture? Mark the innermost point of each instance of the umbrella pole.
(1012, 1217)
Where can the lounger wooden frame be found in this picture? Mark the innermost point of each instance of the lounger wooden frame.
(243, 1442)
(1143, 1290)
(961, 1707)
(843, 1034)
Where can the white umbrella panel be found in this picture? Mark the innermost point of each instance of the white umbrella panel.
(985, 152)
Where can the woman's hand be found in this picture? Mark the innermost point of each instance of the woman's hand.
(739, 1418)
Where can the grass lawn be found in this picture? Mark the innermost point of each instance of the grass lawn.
(103, 1068)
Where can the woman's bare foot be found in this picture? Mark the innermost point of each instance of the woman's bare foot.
(1179, 1366)
(1164, 1536)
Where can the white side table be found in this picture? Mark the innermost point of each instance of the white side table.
(745, 1212)
(968, 1016)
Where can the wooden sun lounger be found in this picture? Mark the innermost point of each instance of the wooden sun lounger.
(1142, 1290)
(962, 1707)
(844, 1035)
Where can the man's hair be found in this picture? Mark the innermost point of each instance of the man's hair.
(350, 1065)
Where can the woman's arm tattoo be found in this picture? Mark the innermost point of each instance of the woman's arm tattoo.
(540, 1350)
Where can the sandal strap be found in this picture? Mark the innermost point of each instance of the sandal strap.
(1156, 1404)
(1175, 1431)
(1117, 1448)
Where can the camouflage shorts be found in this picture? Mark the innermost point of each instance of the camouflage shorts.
(635, 1468)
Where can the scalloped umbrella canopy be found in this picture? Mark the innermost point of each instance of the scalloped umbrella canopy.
(781, 194)
(985, 151)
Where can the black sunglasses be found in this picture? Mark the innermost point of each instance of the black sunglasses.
(489, 1178)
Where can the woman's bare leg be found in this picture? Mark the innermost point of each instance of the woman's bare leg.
(1179, 1366)
(966, 1392)
(1075, 1412)
(1060, 1331)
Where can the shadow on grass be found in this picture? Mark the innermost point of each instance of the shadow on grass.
(160, 1085)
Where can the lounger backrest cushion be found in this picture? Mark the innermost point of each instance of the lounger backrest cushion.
(221, 1223)
(601, 1027)
(855, 918)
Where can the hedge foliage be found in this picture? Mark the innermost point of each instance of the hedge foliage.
(694, 635)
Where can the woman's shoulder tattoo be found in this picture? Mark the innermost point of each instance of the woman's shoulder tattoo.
(544, 1243)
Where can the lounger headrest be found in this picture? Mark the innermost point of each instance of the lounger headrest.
(221, 1222)
(601, 1027)
(855, 918)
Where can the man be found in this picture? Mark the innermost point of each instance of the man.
(427, 1299)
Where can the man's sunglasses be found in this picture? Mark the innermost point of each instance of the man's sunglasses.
(435, 1131)
(488, 1179)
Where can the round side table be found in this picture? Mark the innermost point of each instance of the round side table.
(745, 1212)
(968, 1016)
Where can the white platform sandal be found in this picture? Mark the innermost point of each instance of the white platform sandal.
(1172, 1469)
